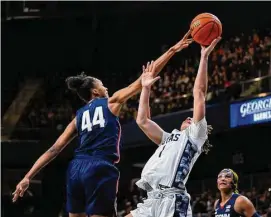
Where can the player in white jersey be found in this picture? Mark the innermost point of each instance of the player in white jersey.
(165, 174)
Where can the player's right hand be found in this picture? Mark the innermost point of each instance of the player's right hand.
(205, 51)
(184, 43)
(147, 78)
(20, 189)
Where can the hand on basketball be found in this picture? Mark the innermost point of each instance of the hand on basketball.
(184, 43)
(147, 78)
(20, 189)
(205, 51)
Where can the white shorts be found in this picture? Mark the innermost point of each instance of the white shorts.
(164, 203)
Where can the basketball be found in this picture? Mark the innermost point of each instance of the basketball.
(205, 28)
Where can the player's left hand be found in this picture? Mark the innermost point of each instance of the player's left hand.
(147, 78)
(205, 51)
(20, 189)
(184, 43)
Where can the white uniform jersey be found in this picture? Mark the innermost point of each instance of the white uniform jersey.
(173, 160)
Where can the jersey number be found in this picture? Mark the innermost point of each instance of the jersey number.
(98, 119)
(162, 150)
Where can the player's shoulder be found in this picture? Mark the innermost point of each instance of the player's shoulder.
(175, 131)
(94, 102)
(201, 122)
(198, 129)
(216, 202)
(242, 199)
(243, 203)
(99, 100)
(82, 108)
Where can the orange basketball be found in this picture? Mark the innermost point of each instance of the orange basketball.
(205, 28)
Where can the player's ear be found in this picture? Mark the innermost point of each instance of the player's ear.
(95, 92)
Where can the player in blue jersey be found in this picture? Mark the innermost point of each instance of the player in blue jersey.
(92, 177)
(232, 204)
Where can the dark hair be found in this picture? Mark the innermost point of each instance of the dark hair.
(82, 85)
(207, 146)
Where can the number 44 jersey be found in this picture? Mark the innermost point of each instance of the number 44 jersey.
(99, 131)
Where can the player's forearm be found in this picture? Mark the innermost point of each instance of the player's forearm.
(43, 160)
(163, 60)
(159, 65)
(201, 82)
(144, 107)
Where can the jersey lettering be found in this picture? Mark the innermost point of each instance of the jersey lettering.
(98, 119)
(223, 215)
(173, 137)
(176, 137)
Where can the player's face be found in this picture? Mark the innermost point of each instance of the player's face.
(186, 123)
(224, 181)
(100, 89)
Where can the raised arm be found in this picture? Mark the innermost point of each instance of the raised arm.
(65, 138)
(149, 127)
(124, 94)
(201, 83)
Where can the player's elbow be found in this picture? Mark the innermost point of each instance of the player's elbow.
(199, 92)
(141, 121)
(54, 151)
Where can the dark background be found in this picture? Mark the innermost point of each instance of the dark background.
(108, 37)
(111, 40)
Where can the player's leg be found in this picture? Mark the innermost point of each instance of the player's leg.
(101, 189)
(147, 208)
(75, 191)
(182, 205)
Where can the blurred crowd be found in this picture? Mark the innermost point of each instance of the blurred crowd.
(203, 204)
(238, 59)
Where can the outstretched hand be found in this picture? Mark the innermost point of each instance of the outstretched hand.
(20, 189)
(184, 43)
(147, 78)
(205, 51)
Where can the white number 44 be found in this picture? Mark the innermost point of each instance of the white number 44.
(98, 119)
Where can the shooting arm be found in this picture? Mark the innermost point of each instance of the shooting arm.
(200, 90)
(65, 138)
(201, 82)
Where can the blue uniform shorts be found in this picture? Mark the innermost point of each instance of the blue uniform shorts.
(92, 186)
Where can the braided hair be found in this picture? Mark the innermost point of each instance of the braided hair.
(235, 182)
(207, 146)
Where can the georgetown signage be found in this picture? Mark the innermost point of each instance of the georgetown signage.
(252, 111)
